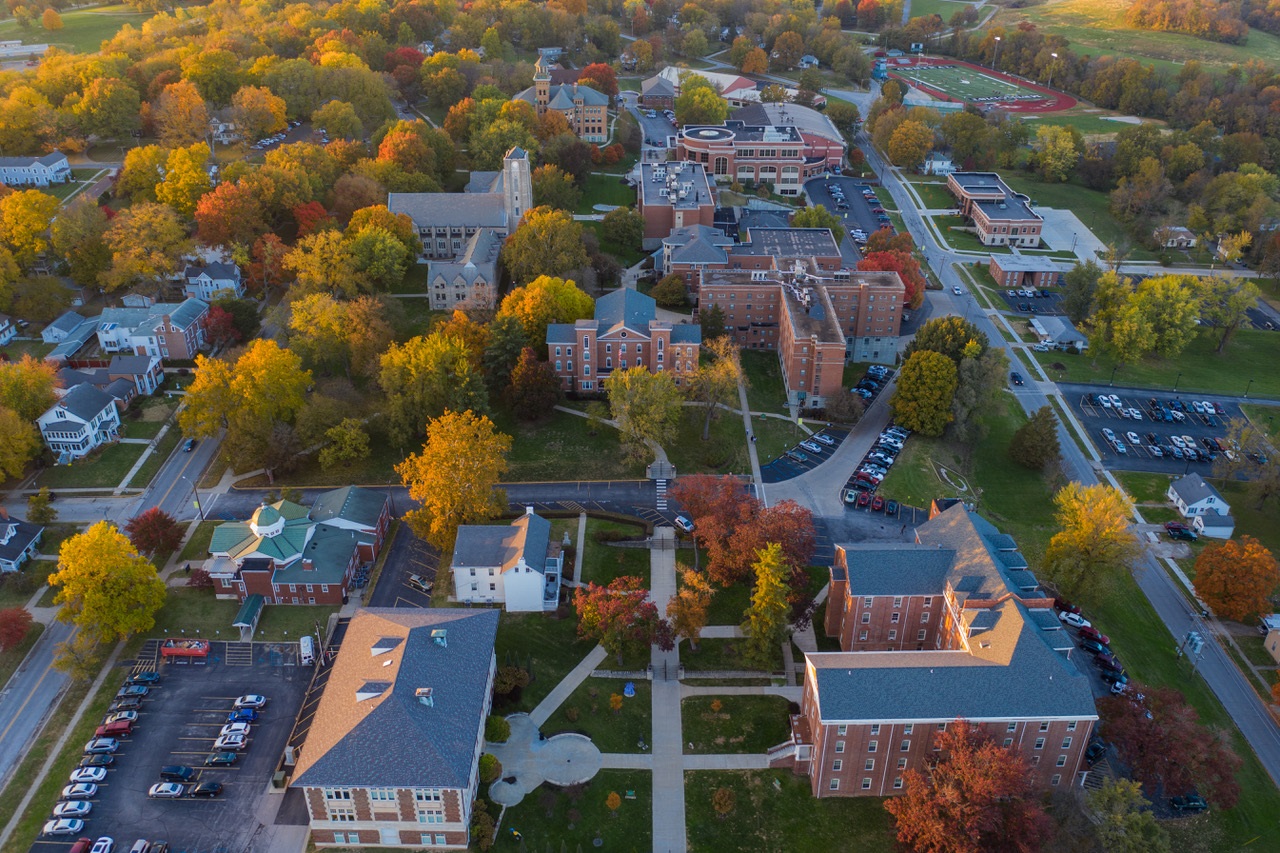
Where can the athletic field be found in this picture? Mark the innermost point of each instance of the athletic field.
(965, 83)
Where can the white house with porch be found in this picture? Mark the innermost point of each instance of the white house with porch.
(515, 565)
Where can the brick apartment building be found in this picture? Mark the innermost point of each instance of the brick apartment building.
(623, 334)
(954, 626)
(392, 754)
(756, 154)
(694, 250)
(673, 196)
(1001, 216)
(1020, 271)
(816, 321)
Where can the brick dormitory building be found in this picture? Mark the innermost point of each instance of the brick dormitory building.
(953, 627)
(1000, 216)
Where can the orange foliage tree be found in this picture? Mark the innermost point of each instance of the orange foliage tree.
(1236, 578)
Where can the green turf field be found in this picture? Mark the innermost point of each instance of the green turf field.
(83, 30)
(965, 84)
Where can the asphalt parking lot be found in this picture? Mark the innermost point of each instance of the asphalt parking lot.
(1039, 304)
(177, 724)
(786, 467)
(1138, 457)
(655, 130)
(409, 556)
(858, 215)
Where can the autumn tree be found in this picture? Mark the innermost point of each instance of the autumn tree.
(950, 336)
(180, 115)
(905, 265)
(339, 120)
(554, 188)
(1124, 821)
(976, 796)
(146, 243)
(1225, 304)
(535, 389)
(1160, 738)
(723, 800)
(671, 291)
(40, 509)
(426, 376)
(325, 262)
(1094, 544)
(600, 77)
(699, 102)
(455, 476)
(1236, 578)
(104, 587)
(143, 169)
(1057, 150)
(258, 112)
(185, 178)
(716, 381)
(688, 608)
(619, 616)
(922, 400)
(543, 301)
(348, 443)
(78, 236)
(27, 386)
(646, 407)
(51, 20)
(1035, 444)
(25, 216)
(15, 624)
(19, 443)
(154, 532)
(767, 615)
(818, 217)
(910, 143)
(623, 226)
(109, 108)
(229, 215)
(547, 242)
(755, 61)
(787, 50)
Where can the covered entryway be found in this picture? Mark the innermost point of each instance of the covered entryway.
(247, 618)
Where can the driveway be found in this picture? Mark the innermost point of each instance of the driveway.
(1062, 229)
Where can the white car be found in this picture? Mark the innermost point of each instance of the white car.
(105, 844)
(79, 791)
(65, 826)
(88, 774)
(1115, 401)
(1133, 438)
(230, 742)
(811, 446)
(166, 791)
(825, 439)
(1198, 406)
(1178, 442)
(682, 521)
(235, 729)
(1136, 414)
(957, 291)
(1188, 441)
(1073, 620)
(1104, 401)
(1108, 435)
(252, 700)
(72, 808)
(1155, 450)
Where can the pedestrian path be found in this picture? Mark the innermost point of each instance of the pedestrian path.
(668, 732)
(567, 685)
(142, 460)
(751, 440)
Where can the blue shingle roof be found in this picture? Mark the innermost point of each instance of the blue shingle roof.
(686, 333)
(629, 307)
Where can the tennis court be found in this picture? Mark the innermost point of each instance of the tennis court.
(966, 83)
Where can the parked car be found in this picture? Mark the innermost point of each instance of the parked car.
(81, 845)
(88, 774)
(121, 717)
(825, 439)
(864, 499)
(72, 808)
(1114, 678)
(1095, 751)
(252, 700)
(128, 703)
(101, 746)
(877, 504)
(150, 677)
(230, 742)
(220, 759)
(106, 844)
(1094, 647)
(811, 446)
(1108, 662)
(1133, 438)
(1066, 606)
(1184, 534)
(235, 729)
(166, 790)
(683, 522)
(1192, 802)
(243, 715)
(101, 760)
(138, 690)
(1092, 633)
(206, 789)
(123, 728)
(797, 455)
(891, 508)
(1074, 620)
(177, 773)
(65, 826)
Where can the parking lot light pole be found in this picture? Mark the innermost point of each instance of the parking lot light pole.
(1247, 387)
(1176, 381)
(196, 492)
(1113, 375)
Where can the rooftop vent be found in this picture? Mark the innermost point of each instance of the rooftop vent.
(439, 636)
(425, 696)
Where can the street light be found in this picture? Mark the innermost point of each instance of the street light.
(996, 54)
(1247, 387)
(1113, 375)
(1051, 64)
(1176, 381)
(196, 492)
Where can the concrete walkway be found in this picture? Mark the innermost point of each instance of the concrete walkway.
(142, 460)
(626, 761)
(528, 760)
(577, 555)
(721, 632)
(659, 455)
(794, 694)
(567, 685)
(668, 732)
(751, 441)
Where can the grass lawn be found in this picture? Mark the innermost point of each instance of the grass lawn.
(963, 241)
(576, 817)
(729, 605)
(935, 195)
(775, 810)
(1144, 488)
(197, 547)
(415, 281)
(603, 562)
(1088, 124)
(743, 724)
(1091, 207)
(418, 314)
(774, 437)
(377, 470)
(605, 189)
(628, 256)
(561, 447)
(724, 453)
(1264, 418)
(101, 469)
(83, 31)
(1258, 523)
(766, 391)
(546, 646)
(141, 429)
(609, 731)
(37, 349)
(723, 655)
(163, 449)
(1201, 368)
(198, 613)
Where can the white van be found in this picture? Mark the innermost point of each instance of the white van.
(307, 650)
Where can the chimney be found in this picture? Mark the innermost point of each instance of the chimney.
(528, 510)
(307, 565)
(424, 696)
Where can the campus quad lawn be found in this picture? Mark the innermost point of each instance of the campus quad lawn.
(603, 562)
(605, 189)
(610, 732)
(83, 31)
(776, 810)
(542, 644)
(722, 655)
(101, 469)
(630, 829)
(724, 453)
(560, 447)
(765, 389)
(744, 724)
(1203, 369)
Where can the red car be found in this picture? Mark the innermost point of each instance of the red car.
(1094, 634)
(877, 504)
(1175, 525)
(864, 498)
(1066, 606)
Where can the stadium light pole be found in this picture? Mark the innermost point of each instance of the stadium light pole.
(1051, 64)
(996, 54)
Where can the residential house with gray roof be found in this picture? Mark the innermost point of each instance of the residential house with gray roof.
(516, 565)
(57, 331)
(1192, 495)
(211, 281)
(623, 334)
(19, 541)
(164, 329)
(291, 555)
(82, 421)
(952, 627)
(51, 168)
(8, 331)
(392, 753)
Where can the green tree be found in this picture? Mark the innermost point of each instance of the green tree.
(968, 136)
(979, 387)
(185, 179)
(1124, 822)
(554, 188)
(40, 509)
(143, 170)
(78, 236)
(109, 108)
(671, 292)
(104, 587)
(1081, 283)
(818, 217)
(380, 257)
(926, 386)
(699, 102)
(950, 336)
(339, 120)
(215, 72)
(546, 243)
(716, 382)
(506, 343)
(454, 478)
(492, 143)
(712, 322)
(646, 407)
(1094, 544)
(1224, 305)
(1035, 443)
(767, 615)
(543, 301)
(623, 226)
(348, 443)
(1057, 152)
(426, 376)
(1170, 305)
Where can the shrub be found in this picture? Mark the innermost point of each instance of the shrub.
(496, 729)
(572, 714)
(490, 768)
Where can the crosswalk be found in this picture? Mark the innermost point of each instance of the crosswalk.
(662, 495)
(573, 506)
(239, 654)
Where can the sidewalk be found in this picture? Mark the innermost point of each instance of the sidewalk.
(567, 685)
(668, 731)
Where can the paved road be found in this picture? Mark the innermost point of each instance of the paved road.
(29, 696)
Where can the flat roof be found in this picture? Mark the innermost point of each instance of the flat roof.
(659, 181)
(981, 182)
(788, 242)
(1011, 207)
(811, 313)
(1029, 263)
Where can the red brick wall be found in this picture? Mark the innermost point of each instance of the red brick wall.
(315, 803)
(914, 614)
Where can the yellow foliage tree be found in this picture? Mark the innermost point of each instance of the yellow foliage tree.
(910, 143)
(543, 301)
(1094, 543)
(105, 588)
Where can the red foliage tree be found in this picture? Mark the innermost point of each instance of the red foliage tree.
(1161, 739)
(978, 796)
(154, 532)
(887, 240)
(200, 579)
(231, 214)
(311, 217)
(535, 389)
(620, 617)
(904, 265)
(403, 56)
(267, 267)
(600, 77)
(220, 327)
(15, 622)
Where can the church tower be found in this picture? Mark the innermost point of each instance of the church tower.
(517, 186)
(541, 85)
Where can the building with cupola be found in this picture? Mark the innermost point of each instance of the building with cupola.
(586, 109)
(288, 554)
